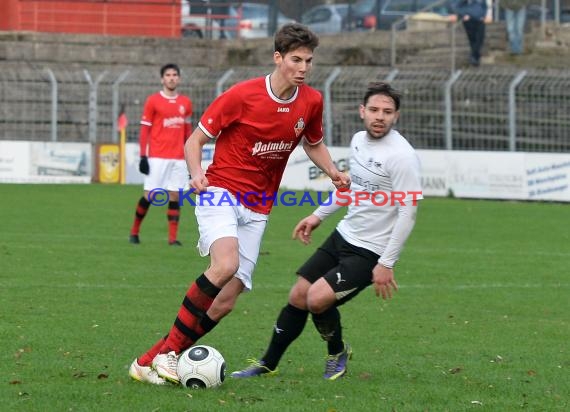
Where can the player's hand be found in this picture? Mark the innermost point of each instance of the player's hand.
(199, 183)
(384, 282)
(341, 181)
(305, 227)
(144, 167)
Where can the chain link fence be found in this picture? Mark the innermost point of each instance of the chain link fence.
(495, 109)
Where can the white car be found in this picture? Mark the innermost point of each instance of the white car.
(195, 22)
(252, 20)
(239, 20)
(326, 18)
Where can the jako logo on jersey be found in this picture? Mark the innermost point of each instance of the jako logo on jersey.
(282, 110)
(173, 121)
(260, 148)
(299, 127)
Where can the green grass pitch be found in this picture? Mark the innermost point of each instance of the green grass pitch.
(481, 321)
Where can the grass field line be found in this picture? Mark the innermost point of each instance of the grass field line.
(476, 251)
(287, 286)
(8, 236)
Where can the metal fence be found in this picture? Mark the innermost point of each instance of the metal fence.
(495, 109)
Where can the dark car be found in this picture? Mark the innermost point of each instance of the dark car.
(381, 14)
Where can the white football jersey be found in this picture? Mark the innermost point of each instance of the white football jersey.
(389, 170)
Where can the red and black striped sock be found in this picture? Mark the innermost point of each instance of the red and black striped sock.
(142, 209)
(173, 216)
(146, 358)
(192, 322)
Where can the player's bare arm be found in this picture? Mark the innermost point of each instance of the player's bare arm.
(305, 227)
(384, 282)
(320, 156)
(193, 155)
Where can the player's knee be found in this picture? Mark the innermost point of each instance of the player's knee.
(299, 300)
(217, 278)
(317, 302)
(224, 269)
(173, 196)
(320, 297)
(298, 294)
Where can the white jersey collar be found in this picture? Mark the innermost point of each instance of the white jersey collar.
(276, 98)
(168, 97)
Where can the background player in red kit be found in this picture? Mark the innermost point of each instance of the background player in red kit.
(165, 126)
(256, 124)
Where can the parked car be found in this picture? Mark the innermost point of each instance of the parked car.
(252, 20)
(326, 18)
(381, 14)
(235, 20)
(196, 22)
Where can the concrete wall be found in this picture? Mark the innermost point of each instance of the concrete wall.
(370, 48)
(348, 49)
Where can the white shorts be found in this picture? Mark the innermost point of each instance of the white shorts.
(222, 219)
(167, 174)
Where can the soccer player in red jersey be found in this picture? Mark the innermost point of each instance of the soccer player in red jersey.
(256, 124)
(165, 127)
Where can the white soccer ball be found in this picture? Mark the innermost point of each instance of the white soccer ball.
(201, 366)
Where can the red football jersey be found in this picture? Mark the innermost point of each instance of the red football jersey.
(167, 118)
(256, 132)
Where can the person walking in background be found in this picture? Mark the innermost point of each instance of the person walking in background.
(165, 126)
(365, 245)
(257, 124)
(473, 13)
(515, 19)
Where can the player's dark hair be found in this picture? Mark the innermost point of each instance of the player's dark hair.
(168, 66)
(382, 88)
(294, 35)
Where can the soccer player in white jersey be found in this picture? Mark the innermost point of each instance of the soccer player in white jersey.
(256, 124)
(366, 243)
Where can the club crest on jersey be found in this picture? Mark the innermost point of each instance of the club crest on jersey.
(371, 162)
(299, 127)
(181, 109)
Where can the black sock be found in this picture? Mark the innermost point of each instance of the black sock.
(206, 286)
(207, 324)
(328, 325)
(144, 203)
(289, 325)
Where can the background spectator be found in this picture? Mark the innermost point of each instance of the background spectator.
(515, 18)
(472, 13)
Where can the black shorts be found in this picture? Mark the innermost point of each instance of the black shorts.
(346, 268)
